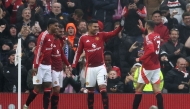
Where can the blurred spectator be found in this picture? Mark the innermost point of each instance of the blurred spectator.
(81, 28)
(46, 5)
(9, 77)
(109, 63)
(188, 63)
(71, 42)
(25, 31)
(56, 13)
(165, 64)
(160, 28)
(82, 70)
(1, 76)
(103, 10)
(30, 44)
(71, 83)
(13, 34)
(188, 7)
(167, 18)
(62, 31)
(134, 13)
(12, 7)
(6, 14)
(3, 33)
(15, 46)
(70, 5)
(129, 79)
(75, 17)
(173, 47)
(187, 45)
(175, 5)
(87, 8)
(36, 29)
(7, 45)
(36, 11)
(27, 21)
(151, 5)
(184, 32)
(119, 46)
(114, 85)
(177, 79)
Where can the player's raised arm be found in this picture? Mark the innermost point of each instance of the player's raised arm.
(78, 52)
(107, 35)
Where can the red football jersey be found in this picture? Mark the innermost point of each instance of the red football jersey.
(58, 56)
(93, 47)
(43, 49)
(150, 59)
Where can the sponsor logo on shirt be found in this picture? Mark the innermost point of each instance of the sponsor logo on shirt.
(95, 48)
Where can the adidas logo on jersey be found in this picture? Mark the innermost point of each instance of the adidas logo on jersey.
(87, 41)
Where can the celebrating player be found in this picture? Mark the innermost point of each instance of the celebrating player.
(93, 45)
(57, 58)
(150, 66)
(42, 64)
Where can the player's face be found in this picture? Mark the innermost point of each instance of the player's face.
(93, 28)
(157, 18)
(174, 36)
(107, 60)
(54, 28)
(112, 75)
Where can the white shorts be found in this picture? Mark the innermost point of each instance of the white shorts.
(57, 78)
(152, 76)
(43, 75)
(94, 74)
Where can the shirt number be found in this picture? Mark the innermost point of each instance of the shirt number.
(158, 47)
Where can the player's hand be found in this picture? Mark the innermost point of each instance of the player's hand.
(34, 71)
(137, 59)
(113, 89)
(181, 86)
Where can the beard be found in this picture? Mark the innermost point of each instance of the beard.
(83, 30)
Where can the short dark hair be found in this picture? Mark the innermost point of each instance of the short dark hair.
(185, 14)
(108, 53)
(61, 26)
(78, 13)
(174, 29)
(157, 12)
(81, 21)
(52, 21)
(92, 21)
(151, 24)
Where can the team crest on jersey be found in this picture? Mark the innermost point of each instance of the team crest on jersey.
(55, 82)
(97, 38)
(37, 80)
(87, 83)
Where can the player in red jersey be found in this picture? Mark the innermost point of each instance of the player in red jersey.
(93, 45)
(57, 58)
(150, 66)
(42, 64)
